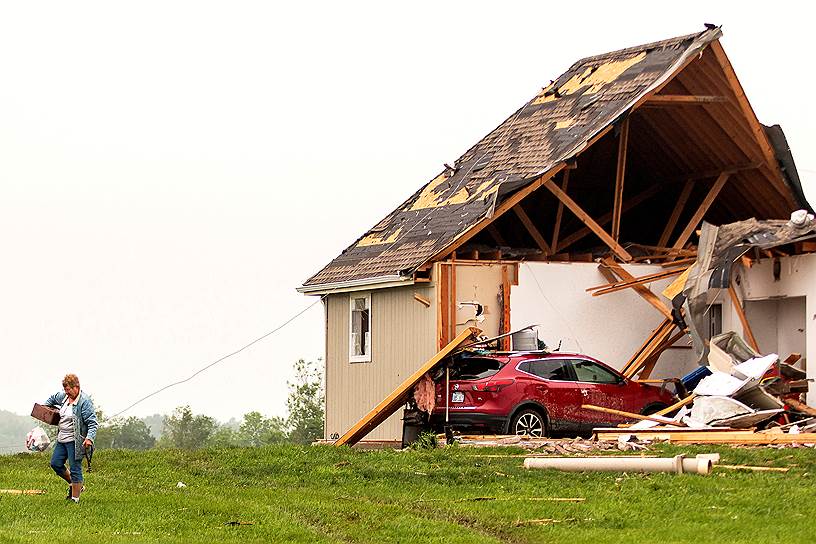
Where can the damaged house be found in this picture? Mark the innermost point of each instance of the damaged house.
(575, 214)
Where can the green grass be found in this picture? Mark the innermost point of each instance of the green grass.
(327, 494)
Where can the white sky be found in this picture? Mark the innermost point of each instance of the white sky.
(171, 171)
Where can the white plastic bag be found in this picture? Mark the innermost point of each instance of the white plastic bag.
(37, 440)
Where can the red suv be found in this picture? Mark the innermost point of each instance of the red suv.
(538, 393)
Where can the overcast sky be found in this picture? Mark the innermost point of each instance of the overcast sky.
(171, 171)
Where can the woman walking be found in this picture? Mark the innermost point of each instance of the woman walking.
(77, 431)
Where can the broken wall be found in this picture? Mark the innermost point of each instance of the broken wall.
(608, 327)
(796, 278)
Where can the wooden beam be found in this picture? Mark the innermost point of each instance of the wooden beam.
(682, 100)
(746, 328)
(630, 415)
(559, 212)
(675, 215)
(677, 405)
(642, 290)
(444, 305)
(640, 280)
(606, 218)
(496, 235)
(742, 101)
(399, 396)
(701, 210)
(518, 209)
(588, 221)
(620, 171)
(506, 205)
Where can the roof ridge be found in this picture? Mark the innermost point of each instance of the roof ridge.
(639, 48)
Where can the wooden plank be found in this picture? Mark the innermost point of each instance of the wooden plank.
(620, 172)
(642, 290)
(647, 355)
(559, 213)
(422, 300)
(676, 406)
(645, 344)
(682, 100)
(588, 221)
(630, 415)
(505, 286)
(731, 437)
(746, 327)
(518, 209)
(606, 218)
(651, 360)
(452, 301)
(444, 304)
(675, 215)
(701, 210)
(399, 396)
(640, 280)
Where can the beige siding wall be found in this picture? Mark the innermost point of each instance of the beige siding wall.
(403, 333)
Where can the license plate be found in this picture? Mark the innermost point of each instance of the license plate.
(457, 396)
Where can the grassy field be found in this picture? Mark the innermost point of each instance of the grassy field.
(326, 494)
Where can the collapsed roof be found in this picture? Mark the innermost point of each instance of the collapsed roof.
(582, 111)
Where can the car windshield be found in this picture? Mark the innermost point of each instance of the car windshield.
(475, 368)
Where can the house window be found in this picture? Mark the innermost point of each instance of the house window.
(360, 328)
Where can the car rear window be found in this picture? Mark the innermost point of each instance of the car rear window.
(475, 368)
(549, 369)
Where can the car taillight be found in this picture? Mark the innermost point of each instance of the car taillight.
(493, 385)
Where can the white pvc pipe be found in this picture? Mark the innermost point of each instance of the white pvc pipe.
(677, 464)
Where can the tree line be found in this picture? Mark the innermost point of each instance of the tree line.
(185, 430)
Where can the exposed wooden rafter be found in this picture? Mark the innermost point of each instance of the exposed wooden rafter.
(494, 232)
(587, 220)
(606, 218)
(642, 290)
(531, 228)
(675, 215)
(701, 210)
(559, 212)
(620, 172)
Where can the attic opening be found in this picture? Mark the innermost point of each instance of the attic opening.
(690, 153)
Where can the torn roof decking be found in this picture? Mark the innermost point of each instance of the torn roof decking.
(556, 125)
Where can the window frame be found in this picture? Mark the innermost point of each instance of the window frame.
(366, 357)
(619, 378)
(564, 361)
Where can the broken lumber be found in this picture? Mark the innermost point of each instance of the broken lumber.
(630, 415)
(23, 491)
(801, 407)
(399, 396)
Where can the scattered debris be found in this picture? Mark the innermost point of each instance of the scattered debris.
(181, 484)
(558, 446)
(543, 521)
(23, 491)
(234, 523)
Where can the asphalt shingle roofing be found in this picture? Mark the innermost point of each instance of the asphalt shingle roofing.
(552, 127)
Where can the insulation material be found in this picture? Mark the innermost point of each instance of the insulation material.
(424, 394)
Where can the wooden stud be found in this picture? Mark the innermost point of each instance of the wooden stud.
(620, 171)
(398, 397)
(505, 286)
(588, 221)
(746, 328)
(452, 302)
(559, 212)
(701, 210)
(675, 215)
(531, 228)
(444, 304)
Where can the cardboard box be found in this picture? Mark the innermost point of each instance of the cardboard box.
(46, 414)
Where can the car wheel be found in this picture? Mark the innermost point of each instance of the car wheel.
(529, 422)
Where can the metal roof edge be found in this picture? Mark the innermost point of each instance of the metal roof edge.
(363, 284)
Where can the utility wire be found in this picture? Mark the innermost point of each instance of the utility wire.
(236, 352)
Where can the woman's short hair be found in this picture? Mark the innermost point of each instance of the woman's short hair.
(70, 380)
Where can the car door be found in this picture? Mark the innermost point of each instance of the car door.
(551, 384)
(600, 386)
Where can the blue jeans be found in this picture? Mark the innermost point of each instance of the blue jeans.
(65, 451)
